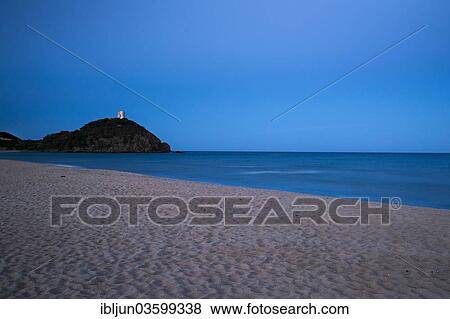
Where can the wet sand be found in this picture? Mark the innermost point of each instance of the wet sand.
(408, 259)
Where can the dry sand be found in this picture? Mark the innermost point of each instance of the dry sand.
(409, 258)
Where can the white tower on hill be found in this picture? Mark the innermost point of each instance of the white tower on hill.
(121, 114)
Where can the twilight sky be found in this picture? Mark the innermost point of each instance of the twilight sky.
(226, 68)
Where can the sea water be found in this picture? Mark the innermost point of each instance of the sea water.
(418, 179)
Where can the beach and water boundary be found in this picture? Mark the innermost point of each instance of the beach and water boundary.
(418, 179)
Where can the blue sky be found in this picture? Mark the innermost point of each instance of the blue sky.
(226, 68)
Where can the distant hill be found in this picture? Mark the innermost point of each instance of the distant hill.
(8, 141)
(5, 136)
(106, 135)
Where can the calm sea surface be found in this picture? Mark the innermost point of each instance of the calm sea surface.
(418, 179)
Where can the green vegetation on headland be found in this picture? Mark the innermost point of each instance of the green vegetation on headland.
(106, 135)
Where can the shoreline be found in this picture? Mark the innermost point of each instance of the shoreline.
(245, 188)
(408, 259)
(193, 180)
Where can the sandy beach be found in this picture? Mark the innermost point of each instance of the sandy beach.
(408, 259)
